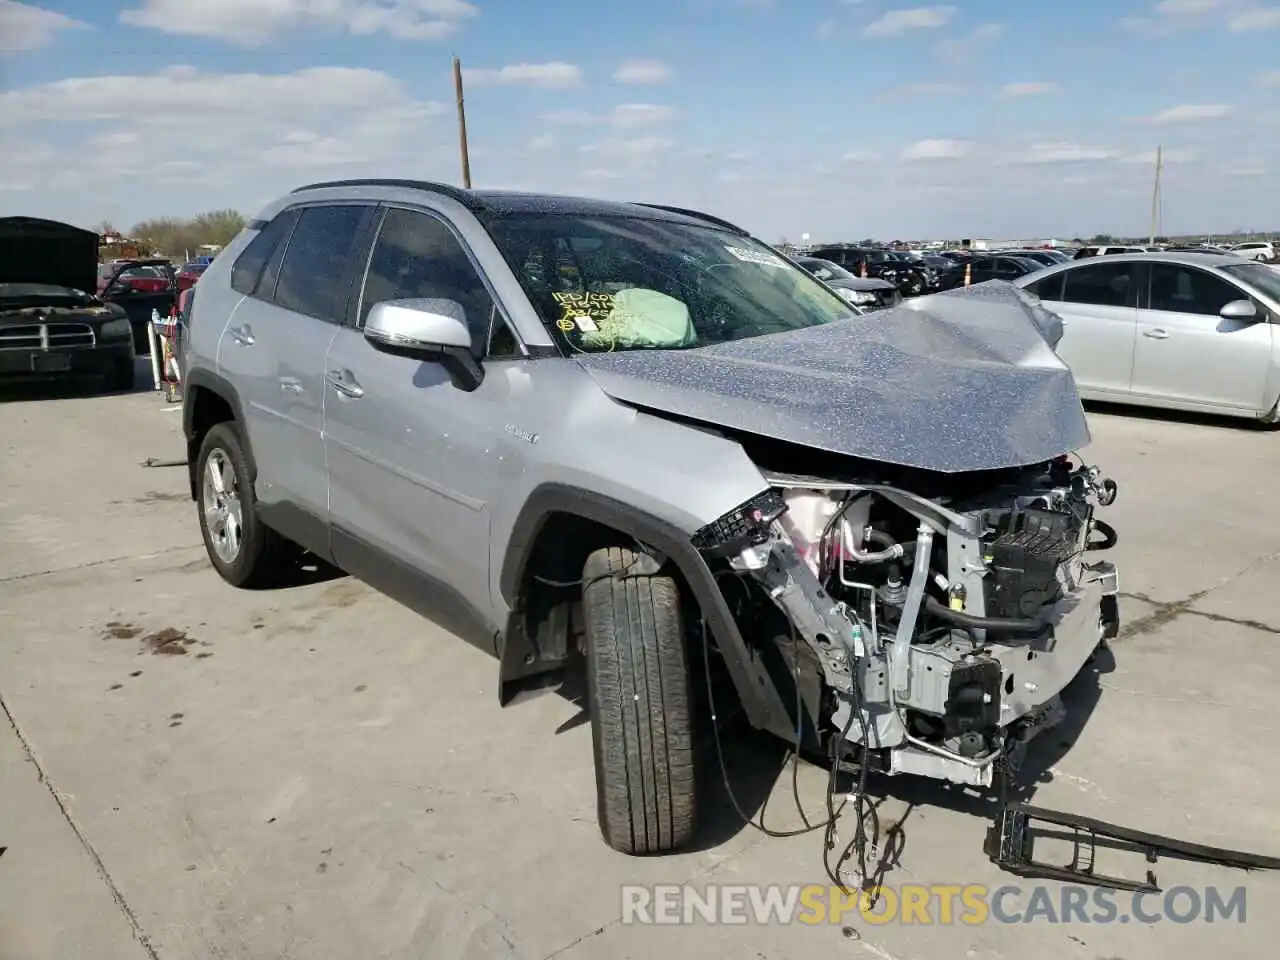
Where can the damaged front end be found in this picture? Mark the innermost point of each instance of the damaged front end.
(926, 633)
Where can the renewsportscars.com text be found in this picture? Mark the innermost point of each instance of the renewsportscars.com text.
(929, 904)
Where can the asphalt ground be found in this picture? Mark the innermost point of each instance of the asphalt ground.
(192, 771)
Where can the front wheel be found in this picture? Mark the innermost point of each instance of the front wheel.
(240, 547)
(638, 689)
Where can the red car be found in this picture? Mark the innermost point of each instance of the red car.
(189, 274)
(140, 276)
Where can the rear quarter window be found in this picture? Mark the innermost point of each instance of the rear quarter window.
(246, 272)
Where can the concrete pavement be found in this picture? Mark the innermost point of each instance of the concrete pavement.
(317, 772)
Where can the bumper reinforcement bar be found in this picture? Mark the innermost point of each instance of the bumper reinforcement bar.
(1010, 840)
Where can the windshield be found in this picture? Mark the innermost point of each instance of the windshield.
(1259, 275)
(825, 269)
(627, 283)
(40, 291)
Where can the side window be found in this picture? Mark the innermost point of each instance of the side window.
(315, 264)
(1186, 290)
(417, 256)
(247, 269)
(1101, 284)
(1050, 288)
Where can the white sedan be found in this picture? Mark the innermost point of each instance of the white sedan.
(1184, 331)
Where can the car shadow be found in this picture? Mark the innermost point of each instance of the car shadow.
(297, 567)
(75, 388)
(1037, 768)
(756, 766)
(1159, 415)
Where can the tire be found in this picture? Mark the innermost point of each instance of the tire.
(253, 562)
(119, 376)
(638, 689)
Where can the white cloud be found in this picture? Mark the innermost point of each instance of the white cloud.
(206, 99)
(551, 75)
(1148, 158)
(859, 156)
(24, 27)
(254, 22)
(182, 125)
(1185, 8)
(960, 49)
(1191, 113)
(642, 71)
(895, 23)
(1269, 78)
(624, 115)
(1254, 19)
(637, 149)
(1053, 152)
(1027, 88)
(936, 150)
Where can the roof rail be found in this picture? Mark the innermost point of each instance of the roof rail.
(456, 193)
(696, 215)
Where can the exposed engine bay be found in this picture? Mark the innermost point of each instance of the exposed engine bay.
(932, 635)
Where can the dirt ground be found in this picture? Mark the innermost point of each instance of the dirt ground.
(191, 771)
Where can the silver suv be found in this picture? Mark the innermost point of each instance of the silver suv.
(635, 437)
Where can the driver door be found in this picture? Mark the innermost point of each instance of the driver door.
(1187, 352)
(414, 460)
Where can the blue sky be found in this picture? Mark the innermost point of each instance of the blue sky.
(842, 119)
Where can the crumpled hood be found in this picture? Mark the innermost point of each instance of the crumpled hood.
(46, 251)
(958, 381)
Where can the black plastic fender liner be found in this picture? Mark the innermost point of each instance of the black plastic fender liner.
(761, 700)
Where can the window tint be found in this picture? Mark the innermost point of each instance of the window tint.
(315, 264)
(416, 256)
(247, 269)
(1101, 284)
(1050, 288)
(1185, 290)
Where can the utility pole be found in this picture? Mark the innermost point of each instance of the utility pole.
(1155, 197)
(462, 124)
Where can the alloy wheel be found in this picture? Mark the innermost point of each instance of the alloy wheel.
(220, 500)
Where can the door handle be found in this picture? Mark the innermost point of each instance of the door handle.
(1156, 334)
(243, 335)
(344, 383)
(291, 385)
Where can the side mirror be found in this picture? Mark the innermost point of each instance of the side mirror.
(430, 330)
(1239, 310)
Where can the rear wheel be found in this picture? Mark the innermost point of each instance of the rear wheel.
(241, 548)
(639, 697)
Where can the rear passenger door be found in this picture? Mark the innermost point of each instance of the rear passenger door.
(274, 349)
(1097, 302)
